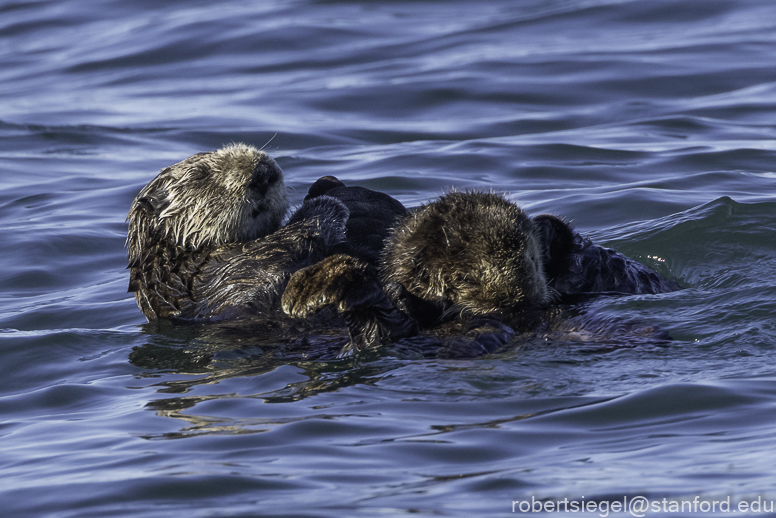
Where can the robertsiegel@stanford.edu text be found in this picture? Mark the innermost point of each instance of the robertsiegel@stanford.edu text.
(640, 506)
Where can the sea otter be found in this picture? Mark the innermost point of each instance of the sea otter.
(205, 239)
(467, 254)
(205, 242)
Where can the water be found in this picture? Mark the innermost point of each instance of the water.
(647, 124)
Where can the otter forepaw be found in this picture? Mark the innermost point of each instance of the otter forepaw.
(343, 281)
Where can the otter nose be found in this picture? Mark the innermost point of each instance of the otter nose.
(263, 178)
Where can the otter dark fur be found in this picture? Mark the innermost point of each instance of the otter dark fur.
(482, 254)
(372, 217)
(205, 240)
(467, 254)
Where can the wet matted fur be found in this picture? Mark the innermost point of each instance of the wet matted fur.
(466, 255)
(205, 241)
(473, 252)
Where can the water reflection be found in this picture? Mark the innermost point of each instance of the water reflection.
(281, 361)
(213, 375)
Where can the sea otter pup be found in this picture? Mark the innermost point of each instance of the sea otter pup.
(205, 239)
(466, 254)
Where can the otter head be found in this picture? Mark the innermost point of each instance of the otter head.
(234, 194)
(475, 252)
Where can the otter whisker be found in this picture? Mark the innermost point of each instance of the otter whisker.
(270, 140)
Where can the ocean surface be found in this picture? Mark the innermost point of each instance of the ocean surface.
(650, 125)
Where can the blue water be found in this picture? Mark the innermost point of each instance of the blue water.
(649, 124)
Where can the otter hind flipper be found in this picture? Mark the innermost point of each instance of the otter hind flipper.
(575, 266)
(323, 185)
(596, 269)
(557, 241)
(373, 215)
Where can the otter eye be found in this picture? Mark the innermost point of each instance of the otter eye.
(197, 173)
(273, 178)
(154, 203)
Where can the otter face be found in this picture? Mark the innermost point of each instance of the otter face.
(475, 252)
(234, 194)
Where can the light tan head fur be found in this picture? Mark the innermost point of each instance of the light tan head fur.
(234, 194)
